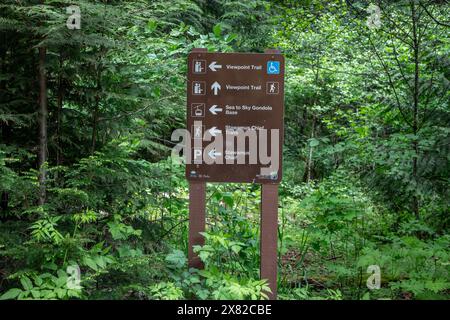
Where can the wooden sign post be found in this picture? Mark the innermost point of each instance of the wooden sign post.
(235, 108)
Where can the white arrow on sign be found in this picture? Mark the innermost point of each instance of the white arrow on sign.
(214, 109)
(214, 131)
(213, 154)
(213, 66)
(215, 87)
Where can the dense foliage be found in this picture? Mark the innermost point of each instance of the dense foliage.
(88, 186)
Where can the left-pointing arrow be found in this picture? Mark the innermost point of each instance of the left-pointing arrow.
(214, 131)
(215, 87)
(214, 109)
(214, 66)
(213, 154)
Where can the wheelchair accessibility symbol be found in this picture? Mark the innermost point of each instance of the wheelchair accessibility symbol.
(273, 67)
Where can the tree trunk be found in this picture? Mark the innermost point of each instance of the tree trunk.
(415, 144)
(313, 124)
(95, 116)
(42, 119)
(59, 105)
(311, 148)
(5, 129)
(94, 129)
(5, 134)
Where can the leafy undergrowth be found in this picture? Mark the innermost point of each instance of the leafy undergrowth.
(329, 234)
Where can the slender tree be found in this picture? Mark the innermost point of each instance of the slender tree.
(42, 121)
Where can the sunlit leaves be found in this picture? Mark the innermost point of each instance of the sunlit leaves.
(45, 230)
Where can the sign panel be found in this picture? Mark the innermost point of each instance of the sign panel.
(235, 107)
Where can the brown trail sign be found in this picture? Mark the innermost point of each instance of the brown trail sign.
(227, 92)
(235, 108)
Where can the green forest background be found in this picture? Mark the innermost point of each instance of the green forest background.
(87, 181)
